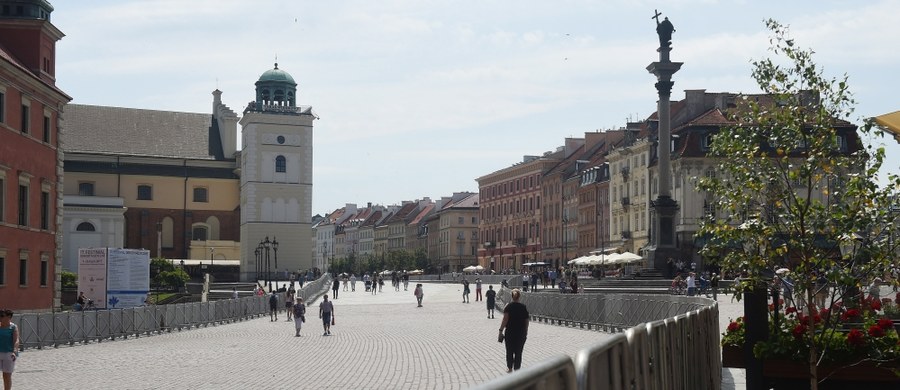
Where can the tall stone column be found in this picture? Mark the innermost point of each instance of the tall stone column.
(662, 244)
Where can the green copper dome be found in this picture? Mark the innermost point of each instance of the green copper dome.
(277, 75)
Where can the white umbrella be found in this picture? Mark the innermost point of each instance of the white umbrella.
(527, 264)
(470, 268)
(629, 257)
(479, 268)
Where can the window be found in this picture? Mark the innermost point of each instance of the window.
(460, 236)
(144, 192)
(45, 272)
(474, 220)
(23, 272)
(199, 233)
(2, 269)
(26, 112)
(842, 143)
(200, 195)
(45, 210)
(85, 227)
(86, 189)
(461, 221)
(2, 106)
(46, 134)
(23, 205)
(706, 142)
(280, 164)
(2, 196)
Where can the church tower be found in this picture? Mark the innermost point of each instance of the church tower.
(276, 179)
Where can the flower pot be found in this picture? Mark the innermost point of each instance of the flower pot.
(733, 356)
(785, 374)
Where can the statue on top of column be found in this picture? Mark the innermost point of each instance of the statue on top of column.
(664, 29)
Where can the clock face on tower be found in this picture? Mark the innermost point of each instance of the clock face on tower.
(280, 139)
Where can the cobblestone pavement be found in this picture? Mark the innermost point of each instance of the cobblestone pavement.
(379, 341)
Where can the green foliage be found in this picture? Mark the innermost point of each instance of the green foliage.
(792, 195)
(68, 279)
(164, 274)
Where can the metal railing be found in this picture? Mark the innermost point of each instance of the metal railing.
(672, 342)
(39, 330)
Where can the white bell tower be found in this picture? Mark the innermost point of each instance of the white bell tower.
(276, 180)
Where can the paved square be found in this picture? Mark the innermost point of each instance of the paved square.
(379, 341)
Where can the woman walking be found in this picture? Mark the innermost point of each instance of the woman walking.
(299, 310)
(515, 321)
(9, 346)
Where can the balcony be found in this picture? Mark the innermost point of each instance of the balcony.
(626, 234)
(520, 242)
(624, 171)
(626, 201)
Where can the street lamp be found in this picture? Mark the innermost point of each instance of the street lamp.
(212, 251)
(268, 244)
(275, 248)
(256, 253)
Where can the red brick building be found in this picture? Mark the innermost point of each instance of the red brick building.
(30, 159)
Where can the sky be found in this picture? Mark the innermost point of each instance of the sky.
(419, 98)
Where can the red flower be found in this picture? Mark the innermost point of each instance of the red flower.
(850, 314)
(855, 337)
(771, 307)
(875, 331)
(885, 323)
(734, 327)
(790, 310)
(799, 331)
(825, 313)
(817, 319)
(875, 305)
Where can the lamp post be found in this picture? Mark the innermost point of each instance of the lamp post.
(212, 251)
(256, 253)
(268, 244)
(324, 257)
(275, 248)
(565, 237)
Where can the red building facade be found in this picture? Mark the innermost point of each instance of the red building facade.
(30, 159)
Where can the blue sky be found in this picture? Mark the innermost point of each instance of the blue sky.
(419, 98)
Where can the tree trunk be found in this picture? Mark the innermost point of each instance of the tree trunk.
(811, 328)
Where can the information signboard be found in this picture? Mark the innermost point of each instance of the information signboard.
(114, 278)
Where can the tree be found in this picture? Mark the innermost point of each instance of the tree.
(164, 274)
(798, 189)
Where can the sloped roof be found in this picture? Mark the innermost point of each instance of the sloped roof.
(425, 211)
(402, 214)
(137, 132)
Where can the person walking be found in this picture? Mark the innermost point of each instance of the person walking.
(405, 278)
(465, 284)
(515, 322)
(691, 282)
(419, 293)
(9, 347)
(714, 285)
(273, 307)
(299, 311)
(491, 296)
(335, 285)
(352, 282)
(478, 296)
(326, 310)
(289, 303)
(234, 293)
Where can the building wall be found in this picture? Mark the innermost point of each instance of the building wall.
(27, 158)
(277, 203)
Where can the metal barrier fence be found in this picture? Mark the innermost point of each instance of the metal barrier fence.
(39, 330)
(674, 345)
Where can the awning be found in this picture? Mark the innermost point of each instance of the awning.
(890, 123)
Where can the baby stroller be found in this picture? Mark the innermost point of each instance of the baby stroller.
(368, 285)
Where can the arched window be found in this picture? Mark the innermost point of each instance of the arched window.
(85, 227)
(168, 232)
(199, 233)
(280, 164)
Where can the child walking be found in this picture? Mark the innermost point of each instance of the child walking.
(299, 310)
(419, 294)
